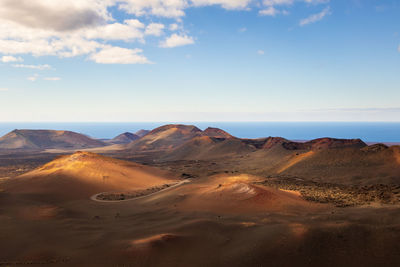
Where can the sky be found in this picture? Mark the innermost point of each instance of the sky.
(199, 60)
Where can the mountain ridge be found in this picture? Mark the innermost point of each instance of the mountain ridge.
(124, 138)
(20, 139)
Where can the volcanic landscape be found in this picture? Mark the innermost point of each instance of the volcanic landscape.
(181, 196)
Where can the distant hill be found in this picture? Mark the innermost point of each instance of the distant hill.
(171, 136)
(46, 139)
(83, 174)
(215, 132)
(325, 143)
(374, 164)
(183, 142)
(265, 143)
(165, 137)
(205, 147)
(322, 159)
(326, 159)
(142, 133)
(124, 138)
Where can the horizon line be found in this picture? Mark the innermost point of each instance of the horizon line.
(183, 122)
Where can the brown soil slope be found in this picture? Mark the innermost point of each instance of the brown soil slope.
(325, 143)
(171, 136)
(124, 138)
(165, 137)
(83, 174)
(142, 132)
(355, 166)
(215, 132)
(45, 139)
(265, 143)
(238, 194)
(205, 147)
(369, 165)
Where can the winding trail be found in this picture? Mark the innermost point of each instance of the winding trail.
(94, 197)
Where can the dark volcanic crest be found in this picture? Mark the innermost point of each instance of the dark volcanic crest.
(124, 138)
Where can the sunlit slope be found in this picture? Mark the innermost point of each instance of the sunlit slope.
(357, 166)
(45, 139)
(83, 174)
(237, 194)
(216, 132)
(169, 137)
(165, 138)
(368, 165)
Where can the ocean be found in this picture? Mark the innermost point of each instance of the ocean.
(367, 131)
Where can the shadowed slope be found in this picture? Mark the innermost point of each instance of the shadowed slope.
(124, 138)
(266, 143)
(325, 143)
(142, 132)
(350, 165)
(369, 165)
(205, 147)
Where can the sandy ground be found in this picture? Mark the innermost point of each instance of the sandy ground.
(169, 229)
(96, 196)
(228, 219)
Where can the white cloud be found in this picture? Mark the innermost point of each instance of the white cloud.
(87, 27)
(291, 2)
(62, 28)
(227, 4)
(161, 8)
(317, 1)
(261, 52)
(176, 40)
(243, 29)
(37, 47)
(119, 55)
(33, 78)
(278, 2)
(269, 11)
(3, 89)
(315, 17)
(155, 29)
(58, 15)
(274, 7)
(173, 27)
(75, 46)
(16, 39)
(35, 67)
(52, 78)
(7, 59)
(175, 8)
(129, 30)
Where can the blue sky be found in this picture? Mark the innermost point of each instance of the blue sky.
(200, 60)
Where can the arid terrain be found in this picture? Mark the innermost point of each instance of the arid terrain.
(180, 196)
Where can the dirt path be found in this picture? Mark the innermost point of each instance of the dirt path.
(94, 197)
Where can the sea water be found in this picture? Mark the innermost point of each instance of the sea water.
(367, 131)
